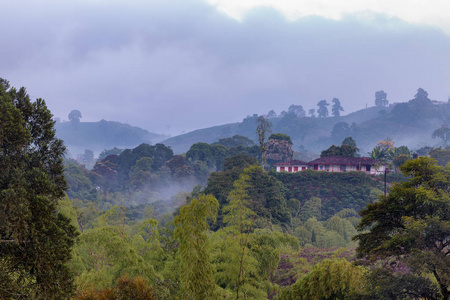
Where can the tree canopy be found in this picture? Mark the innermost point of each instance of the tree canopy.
(441, 155)
(342, 151)
(235, 141)
(35, 240)
(340, 130)
(381, 98)
(297, 110)
(336, 108)
(331, 279)
(280, 136)
(191, 233)
(75, 116)
(279, 150)
(264, 126)
(412, 224)
(443, 132)
(322, 111)
(349, 141)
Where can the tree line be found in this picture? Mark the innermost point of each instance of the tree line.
(243, 236)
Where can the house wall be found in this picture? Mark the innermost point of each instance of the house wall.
(378, 170)
(333, 168)
(291, 169)
(342, 168)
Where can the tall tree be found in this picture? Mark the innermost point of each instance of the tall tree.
(238, 215)
(239, 219)
(341, 151)
(349, 141)
(35, 240)
(412, 224)
(312, 112)
(379, 154)
(421, 105)
(443, 132)
(75, 116)
(336, 108)
(441, 155)
(279, 150)
(331, 279)
(421, 95)
(340, 130)
(279, 147)
(191, 233)
(212, 155)
(104, 253)
(297, 110)
(322, 111)
(262, 129)
(106, 152)
(381, 98)
(272, 114)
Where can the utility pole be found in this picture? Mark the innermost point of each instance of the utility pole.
(385, 189)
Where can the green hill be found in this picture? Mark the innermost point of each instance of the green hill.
(97, 136)
(411, 123)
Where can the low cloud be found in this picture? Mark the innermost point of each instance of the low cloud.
(181, 65)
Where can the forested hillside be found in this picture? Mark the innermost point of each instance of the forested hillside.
(128, 228)
(260, 235)
(410, 123)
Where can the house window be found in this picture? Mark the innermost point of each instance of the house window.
(295, 169)
(368, 168)
(290, 169)
(281, 168)
(343, 168)
(320, 167)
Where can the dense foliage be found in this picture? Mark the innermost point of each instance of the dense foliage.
(337, 191)
(35, 240)
(248, 233)
(412, 224)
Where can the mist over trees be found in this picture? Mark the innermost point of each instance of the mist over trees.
(411, 123)
(305, 209)
(211, 223)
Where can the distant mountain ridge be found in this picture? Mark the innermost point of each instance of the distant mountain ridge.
(410, 123)
(98, 136)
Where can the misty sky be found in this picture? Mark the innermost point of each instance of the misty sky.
(171, 66)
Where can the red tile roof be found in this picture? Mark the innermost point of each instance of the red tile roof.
(291, 163)
(345, 161)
